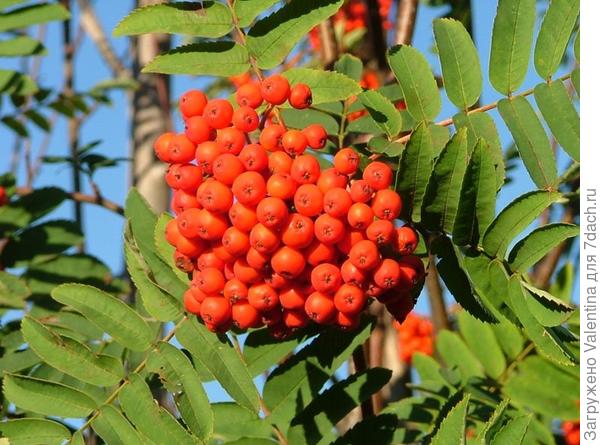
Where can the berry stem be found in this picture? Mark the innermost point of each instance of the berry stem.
(242, 37)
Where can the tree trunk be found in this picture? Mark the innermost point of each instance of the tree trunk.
(150, 117)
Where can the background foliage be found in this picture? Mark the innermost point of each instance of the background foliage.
(90, 357)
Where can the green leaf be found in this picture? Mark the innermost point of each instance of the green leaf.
(440, 204)
(110, 314)
(13, 291)
(512, 37)
(199, 19)
(180, 378)
(456, 354)
(38, 119)
(217, 354)
(261, 350)
(480, 338)
(382, 145)
(31, 431)
(529, 388)
(143, 222)
(296, 381)
(14, 82)
(233, 422)
(247, 10)
(149, 418)
(41, 242)
(531, 140)
(546, 341)
(415, 170)
(554, 36)
(77, 438)
(383, 112)
(460, 62)
(494, 423)
(509, 338)
(85, 269)
(16, 361)
(375, 429)
(303, 118)
(21, 46)
(160, 304)
(5, 4)
(482, 126)
(349, 65)
(513, 433)
(563, 284)
(30, 207)
(453, 426)
(545, 307)
(206, 58)
(527, 252)
(575, 75)
(326, 86)
(272, 38)
(557, 108)
(46, 397)
(477, 204)
(70, 356)
(419, 87)
(515, 218)
(428, 368)
(32, 15)
(114, 428)
(316, 423)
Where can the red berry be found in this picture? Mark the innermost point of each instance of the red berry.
(249, 95)
(245, 119)
(275, 89)
(218, 113)
(192, 103)
(300, 96)
(316, 136)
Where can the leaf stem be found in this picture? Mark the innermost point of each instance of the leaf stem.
(111, 398)
(482, 109)
(510, 368)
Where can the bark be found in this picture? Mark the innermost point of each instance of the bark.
(150, 118)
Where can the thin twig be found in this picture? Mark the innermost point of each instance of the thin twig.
(81, 198)
(93, 28)
(329, 46)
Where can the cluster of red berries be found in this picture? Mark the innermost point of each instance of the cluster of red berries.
(270, 238)
(3, 196)
(571, 432)
(353, 16)
(415, 334)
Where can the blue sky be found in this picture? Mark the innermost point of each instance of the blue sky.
(110, 124)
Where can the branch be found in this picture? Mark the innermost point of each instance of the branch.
(81, 198)
(329, 45)
(377, 33)
(360, 365)
(89, 22)
(405, 21)
(73, 125)
(439, 314)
